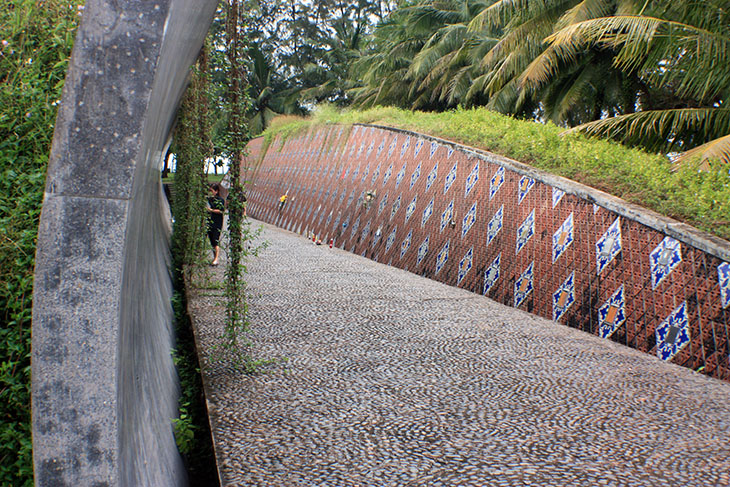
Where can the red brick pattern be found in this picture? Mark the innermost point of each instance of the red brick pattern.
(316, 171)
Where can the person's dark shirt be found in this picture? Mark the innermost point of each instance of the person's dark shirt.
(217, 203)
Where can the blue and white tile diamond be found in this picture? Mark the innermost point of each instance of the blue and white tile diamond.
(663, 259)
(406, 244)
(387, 174)
(608, 246)
(400, 175)
(469, 219)
(465, 265)
(392, 146)
(673, 333)
(496, 182)
(446, 215)
(411, 208)
(365, 231)
(442, 256)
(434, 147)
(525, 186)
(432, 176)
(612, 314)
(491, 274)
(396, 207)
(417, 148)
(391, 239)
(383, 202)
(405, 147)
(723, 277)
(422, 250)
(416, 174)
(450, 178)
(495, 225)
(471, 179)
(355, 227)
(564, 297)
(525, 231)
(524, 285)
(563, 237)
(427, 212)
(557, 196)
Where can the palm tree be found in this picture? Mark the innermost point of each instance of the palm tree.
(585, 86)
(680, 48)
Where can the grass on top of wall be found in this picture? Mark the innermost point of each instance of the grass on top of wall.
(699, 198)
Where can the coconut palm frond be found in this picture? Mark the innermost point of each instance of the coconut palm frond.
(718, 149)
(661, 129)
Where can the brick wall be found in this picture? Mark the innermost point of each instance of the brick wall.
(497, 227)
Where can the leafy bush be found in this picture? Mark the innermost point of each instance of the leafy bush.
(700, 198)
(34, 51)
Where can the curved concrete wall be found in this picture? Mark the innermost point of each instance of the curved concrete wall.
(501, 228)
(103, 384)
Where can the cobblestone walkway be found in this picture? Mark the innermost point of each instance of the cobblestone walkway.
(395, 380)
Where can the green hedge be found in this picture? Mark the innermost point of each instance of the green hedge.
(701, 199)
(34, 51)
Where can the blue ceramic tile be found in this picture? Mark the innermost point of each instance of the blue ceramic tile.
(432, 176)
(376, 236)
(595, 208)
(405, 146)
(450, 178)
(383, 202)
(411, 208)
(351, 197)
(355, 173)
(469, 219)
(557, 196)
(346, 223)
(663, 259)
(524, 285)
(673, 333)
(525, 232)
(465, 265)
(496, 182)
(400, 176)
(434, 147)
(365, 231)
(370, 149)
(723, 277)
(365, 173)
(417, 148)
(416, 174)
(564, 297)
(471, 179)
(355, 227)
(608, 246)
(612, 314)
(422, 250)
(427, 213)
(491, 274)
(525, 186)
(449, 152)
(446, 215)
(406, 244)
(563, 237)
(376, 174)
(392, 146)
(442, 256)
(387, 174)
(380, 147)
(391, 239)
(396, 207)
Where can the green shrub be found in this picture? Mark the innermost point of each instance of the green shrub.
(34, 51)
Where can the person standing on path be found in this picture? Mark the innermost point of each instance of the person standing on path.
(216, 206)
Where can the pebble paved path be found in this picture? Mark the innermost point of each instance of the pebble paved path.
(391, 379)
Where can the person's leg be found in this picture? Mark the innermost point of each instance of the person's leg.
(216, 254)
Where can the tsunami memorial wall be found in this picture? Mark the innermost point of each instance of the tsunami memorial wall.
(497, 227)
